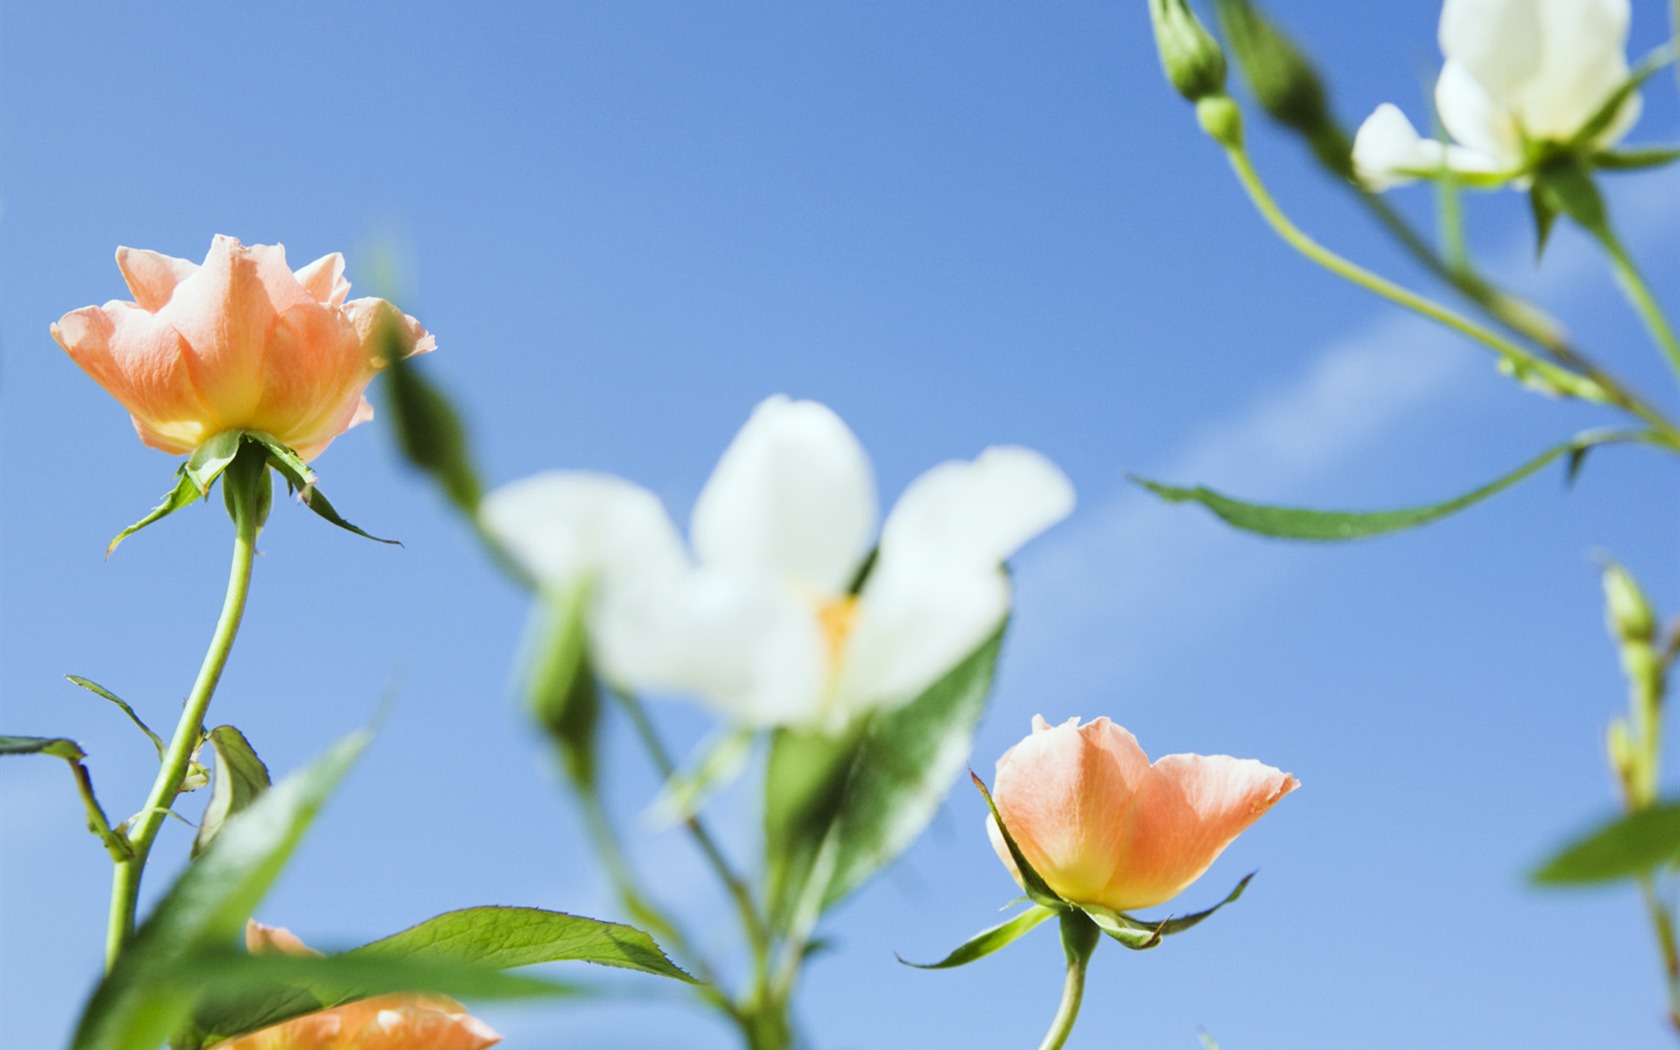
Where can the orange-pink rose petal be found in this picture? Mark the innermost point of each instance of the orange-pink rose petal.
(240, 342)
(1104, 826)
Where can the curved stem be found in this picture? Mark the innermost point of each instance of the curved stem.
(1079, 940)
(248, 511)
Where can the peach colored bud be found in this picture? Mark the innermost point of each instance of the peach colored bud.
(239, 343)
(1103, 826)
(389, 1022)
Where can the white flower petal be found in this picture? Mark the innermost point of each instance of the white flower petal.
(793, 493)
(1471, 116)
(742, 641)
(1583, 60)
(977, 513)
(916, 620)
(1498, 42)
(568, 527)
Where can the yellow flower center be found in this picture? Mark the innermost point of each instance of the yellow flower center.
(837, 617)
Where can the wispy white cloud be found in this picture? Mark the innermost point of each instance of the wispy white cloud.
(1130, 578)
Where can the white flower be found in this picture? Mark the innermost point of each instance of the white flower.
(1517, 72)
(764, 623)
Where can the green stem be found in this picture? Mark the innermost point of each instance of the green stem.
(247, 508)
(1079, 940)
(1519, 357)
(758, 937)
(1662, 924)
(1644, 302)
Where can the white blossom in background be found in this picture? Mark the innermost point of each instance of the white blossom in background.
(760, 619)
(1517, 72)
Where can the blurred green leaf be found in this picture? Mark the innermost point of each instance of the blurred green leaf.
(1298, 523)
(874, 788)
(560, 686)
(429, 430)
(456, 953)
(57, 746)
(1620, 848)
(1610, 108)
(100, 691)
(1568, 187)
(988, 941)
(240, 778)
(1635, 158)
(722, 757)
(140, 1002)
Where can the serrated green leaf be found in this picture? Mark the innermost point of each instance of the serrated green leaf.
(139, 1005)
(874, 788)
(1635, 158)
(57, 746)
(456, 953)
(988, 941)
(1620, 848)
(240, 778)
(1299, 523)
(100, 691)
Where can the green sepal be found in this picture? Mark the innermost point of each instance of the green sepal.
(1140, 934)
(1299, 523)
(115, 842)
(560, 687)
(429, 431)
(301, 481)
(57, 746)
(456, 953)
(1038, 891)
(1620, 848)
(240, 778)
(1635, 158)
(988, 941)
(1568, 187)
(100, 691)
(140, 1003)
(1544, 210)
(1606, 113)
(192, 481)
(721, 760)
(866, 794)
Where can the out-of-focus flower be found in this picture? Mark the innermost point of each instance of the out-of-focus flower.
(388, 1022)
(1103, 826)
(1520, 76)
(764, 621)
(238, 343)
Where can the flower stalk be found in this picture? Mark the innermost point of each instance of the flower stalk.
(246, 488)
(1079, 941)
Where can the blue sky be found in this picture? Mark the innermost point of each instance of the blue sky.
(958, 225)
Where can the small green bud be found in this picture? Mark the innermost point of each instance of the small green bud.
(1193, 62)
(1627, 612)
(1222, 119)
(1284, 83)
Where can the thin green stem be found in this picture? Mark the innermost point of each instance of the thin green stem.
(1573, 375)
(1644, 302)
(758, 937)
(1079, 940)
(125, 884)
(1662, 924)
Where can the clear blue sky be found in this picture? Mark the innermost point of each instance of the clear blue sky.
(958, 224)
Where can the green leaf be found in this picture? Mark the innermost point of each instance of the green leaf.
(1635, 158)
(301, 480)
(429, 430)
(57, 746)
(560, 686)
(873, 789)
(139, 1004)
(1037, 889)
(455, 953)
(1297, 523)
(1620, 848)
(100, 691)
(986, 942)
(240, 778)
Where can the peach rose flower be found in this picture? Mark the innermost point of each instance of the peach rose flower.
(1103, 826)
(388, 1022)
(238, 343)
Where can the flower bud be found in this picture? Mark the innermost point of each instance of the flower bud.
(1190, 56)
(1627, 612)
(1222, 119)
